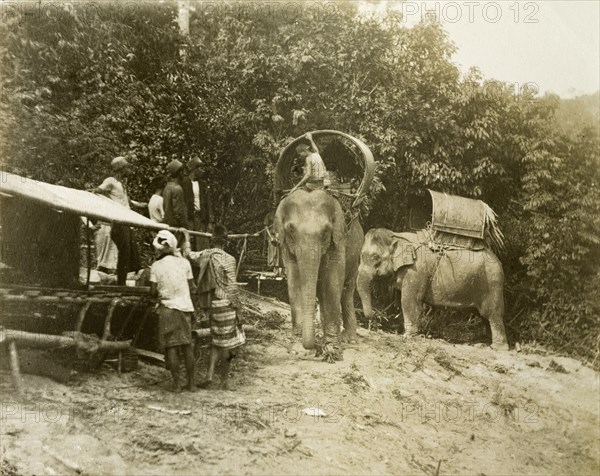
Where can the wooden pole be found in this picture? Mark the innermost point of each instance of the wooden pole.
(108, 318)
(89, 253)
(83, 311)
(183, 19)
(14, 368)
(239, 265)
(233, 236)
(64, 299)
(31, 339)
(63, 291)
(183, 16)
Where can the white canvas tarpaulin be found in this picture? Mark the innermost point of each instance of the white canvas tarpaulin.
(75, 201)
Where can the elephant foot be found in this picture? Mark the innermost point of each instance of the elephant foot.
(295, 347)
(206, 384)
(503, 346)
(349, 336)
(410, 335)
(331, 353)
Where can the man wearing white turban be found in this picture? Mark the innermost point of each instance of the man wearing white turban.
(171, 279)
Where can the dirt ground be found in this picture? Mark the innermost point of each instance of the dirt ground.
(392, 406)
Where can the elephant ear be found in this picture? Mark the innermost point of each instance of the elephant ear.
(402, 253)
(278, 227)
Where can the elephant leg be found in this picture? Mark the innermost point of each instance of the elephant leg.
(411, 309)
(293, 278)
(352, 262)
(413, 285)
(492, 309)
(331, 314)
(348, 311)
(329, 293)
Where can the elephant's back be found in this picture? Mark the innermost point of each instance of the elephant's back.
(464, 263)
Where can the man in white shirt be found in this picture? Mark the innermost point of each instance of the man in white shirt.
(171, 279)
(156, 209)
(198, 202)
(115, 188)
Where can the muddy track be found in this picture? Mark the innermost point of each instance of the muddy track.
(391, 406)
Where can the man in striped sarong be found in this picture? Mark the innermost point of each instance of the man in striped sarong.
(225, 311)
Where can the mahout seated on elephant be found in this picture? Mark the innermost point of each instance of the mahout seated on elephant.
(426, 272)
(321, 255)
(320, 240)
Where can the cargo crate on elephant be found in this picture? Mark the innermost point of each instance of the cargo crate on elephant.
(455, 220)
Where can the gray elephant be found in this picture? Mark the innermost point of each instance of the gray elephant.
(321, 259)
(320, 246)
(452, 278)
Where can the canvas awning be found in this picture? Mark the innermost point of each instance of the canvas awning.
(75, 201)
(85, 204)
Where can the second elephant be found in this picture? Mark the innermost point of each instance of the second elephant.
(438, 277)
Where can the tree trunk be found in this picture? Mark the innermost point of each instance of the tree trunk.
(183, 20)
(183, 16)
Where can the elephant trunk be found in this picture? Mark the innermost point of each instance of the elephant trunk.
(363, 286)
(308, 267)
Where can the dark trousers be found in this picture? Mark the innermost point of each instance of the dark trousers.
(129, 257)
(200, 243)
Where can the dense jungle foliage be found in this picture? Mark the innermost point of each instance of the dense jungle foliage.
(83, 83)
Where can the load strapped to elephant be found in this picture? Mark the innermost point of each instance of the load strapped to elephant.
(448, 262)
(319, 234)
(453, 222)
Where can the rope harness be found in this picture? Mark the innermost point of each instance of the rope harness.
(349, 204)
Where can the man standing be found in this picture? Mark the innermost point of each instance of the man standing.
(198, 202)
(115, 188)
(176, 213)
(106, 250)
(274, 260)
(226, 308)
(187, 183)
(156, 210)
(171, 279)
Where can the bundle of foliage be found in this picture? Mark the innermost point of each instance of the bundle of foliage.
(85, 82)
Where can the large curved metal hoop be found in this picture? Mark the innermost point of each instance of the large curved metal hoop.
(282, 180)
